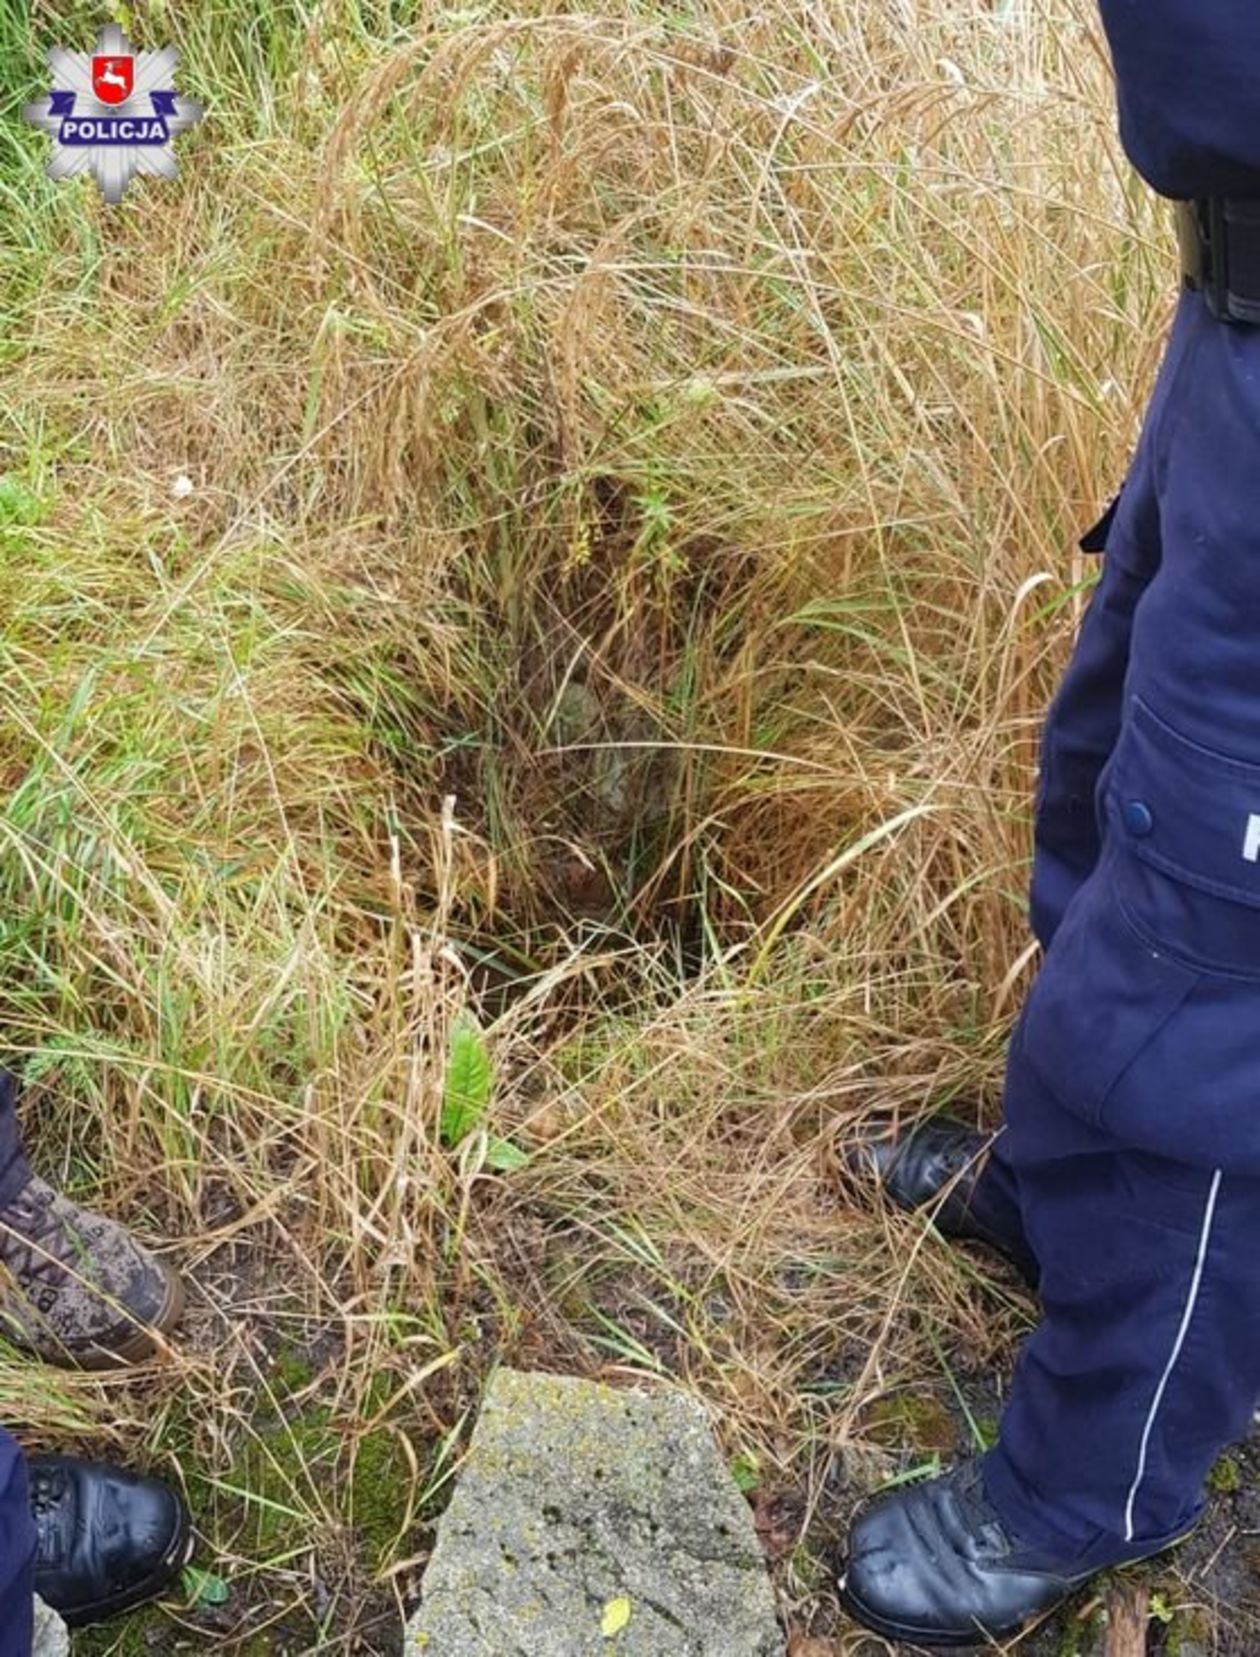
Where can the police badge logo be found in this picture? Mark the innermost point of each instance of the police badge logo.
(113, 112)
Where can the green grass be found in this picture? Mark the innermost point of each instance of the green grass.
(634, 459)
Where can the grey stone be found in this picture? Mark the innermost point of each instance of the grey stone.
(578, 1503)
(52, 1637)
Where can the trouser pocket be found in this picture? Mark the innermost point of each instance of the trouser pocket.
(1145, 1019)
(1102, 996)
(1188, 820)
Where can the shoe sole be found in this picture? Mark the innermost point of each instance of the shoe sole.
(178, 1555)
(135, 1343)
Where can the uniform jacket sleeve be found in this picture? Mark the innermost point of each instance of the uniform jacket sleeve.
(1188, 74)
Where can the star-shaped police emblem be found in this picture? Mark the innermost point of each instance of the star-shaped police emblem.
(113, 112)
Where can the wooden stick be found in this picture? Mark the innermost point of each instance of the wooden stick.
(1128, 1613)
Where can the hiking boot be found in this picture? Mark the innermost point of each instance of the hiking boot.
(108, 1540)
(938, 1166)
(78, 1290)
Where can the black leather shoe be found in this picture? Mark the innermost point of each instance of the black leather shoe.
(108, 1540)
(939, 1164)
(934, 1565)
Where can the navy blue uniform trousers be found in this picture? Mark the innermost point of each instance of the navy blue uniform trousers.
(1130, 1155)
(17, 1530)
(17, 1554)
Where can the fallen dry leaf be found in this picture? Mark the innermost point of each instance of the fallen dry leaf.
(616, 1616)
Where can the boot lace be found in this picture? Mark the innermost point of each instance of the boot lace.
(37, 1244)
(48, 1489)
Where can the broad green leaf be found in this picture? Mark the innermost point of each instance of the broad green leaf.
(469, 1080)
(616, 1616)
(505, 1157)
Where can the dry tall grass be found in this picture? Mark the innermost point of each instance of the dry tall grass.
(663, 431)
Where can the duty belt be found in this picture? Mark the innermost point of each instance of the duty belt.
(1220, 254)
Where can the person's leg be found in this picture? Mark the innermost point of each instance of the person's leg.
(1131, 1112)
(15, 1171)
(1084, 721)
(17, 1553)
(1146, 1362)
(79, 1290)
(1081, 730)
(1132, 1132)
